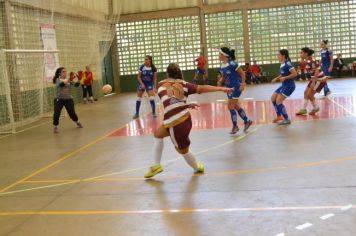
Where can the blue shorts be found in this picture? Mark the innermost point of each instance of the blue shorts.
(148, 86)
(285, 90)
(235, 94)
(200, 72)
(326, 71)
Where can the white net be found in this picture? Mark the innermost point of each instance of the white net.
(24, 92)
(82, 32)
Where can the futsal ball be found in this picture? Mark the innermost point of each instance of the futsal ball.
(107, 89)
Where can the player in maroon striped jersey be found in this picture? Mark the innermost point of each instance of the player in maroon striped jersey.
(177, 123)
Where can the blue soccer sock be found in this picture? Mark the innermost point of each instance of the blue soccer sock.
(233, 117)
(242, 114)
(138, 104)
(275, 108)
(282, 109)
(153, 106)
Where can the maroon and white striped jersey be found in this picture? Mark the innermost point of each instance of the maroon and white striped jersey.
(173, 94)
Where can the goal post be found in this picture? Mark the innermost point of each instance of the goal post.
(25, 91)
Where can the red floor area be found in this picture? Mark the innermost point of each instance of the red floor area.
(215, 115)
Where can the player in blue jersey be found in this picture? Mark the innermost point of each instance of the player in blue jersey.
(327, 63)
(287, 73)
(147, 81)
(233, 76)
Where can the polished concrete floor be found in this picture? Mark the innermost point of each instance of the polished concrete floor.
(294, 180)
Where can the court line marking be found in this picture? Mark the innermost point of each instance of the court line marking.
(343, 107)
(304, 226)
(327, 216)
(63, 158)
(210, 174)
(168, 211)
(43, 123)
(2, 192)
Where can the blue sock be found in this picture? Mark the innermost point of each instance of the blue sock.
(138, 104)
(242, 114)
(233, 117)
(326, 89)
(275, 108)
(153, 106)
(282, 109)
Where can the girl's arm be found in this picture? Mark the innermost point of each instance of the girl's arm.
(276, 79)
(140, 80)
(243, 78)
(209, 89)
(155, 81)
(293, 74)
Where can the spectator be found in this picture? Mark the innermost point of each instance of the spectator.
(248, 73)
(87, 82)
(338, 65)
(256, 72)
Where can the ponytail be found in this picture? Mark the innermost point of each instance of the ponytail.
(285, 53)
(57, 74)
(325, 41)
(308, 51)
(230, 53)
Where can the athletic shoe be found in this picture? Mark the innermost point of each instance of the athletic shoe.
(154, 115)
(278, 119)
(234, 130)
(135, 116)
(85, 101)
(314, 111)
(55, 130)
(79, 125)
(302, 112)
(154, 170)
(247, 125)
(284, 122)
(200, 168)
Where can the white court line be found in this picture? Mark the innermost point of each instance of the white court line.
(221, 100)
(327, 216)
(281, 234)
(304, 226)
(345, 208)
(248, 98)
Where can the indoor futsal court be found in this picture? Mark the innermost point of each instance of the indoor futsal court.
(178, 117)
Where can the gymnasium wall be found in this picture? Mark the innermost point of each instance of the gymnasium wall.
(268, 30)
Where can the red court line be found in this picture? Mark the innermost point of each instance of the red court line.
(215, 115)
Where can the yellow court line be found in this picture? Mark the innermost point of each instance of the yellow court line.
(210, 174)
(168, 211)
(54, 163)
(111, 174)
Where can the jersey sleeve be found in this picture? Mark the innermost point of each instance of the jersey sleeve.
(289, 66)
(234, 65)
(192, 88)
(140, 69)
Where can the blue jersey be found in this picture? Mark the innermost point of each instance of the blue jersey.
(231, 77)
(284, 71)
(147, 73)
(325, 57)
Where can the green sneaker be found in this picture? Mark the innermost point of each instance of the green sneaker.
(314, 111)
(302, 112)
(135, 116)
(154, 170)
(285, 122)
(200, 168)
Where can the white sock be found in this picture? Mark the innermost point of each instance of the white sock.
(191, 160)
(158, 149)
(314, 104)
(305, 104)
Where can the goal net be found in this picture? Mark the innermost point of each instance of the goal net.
(81, 31)
(25, 91)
